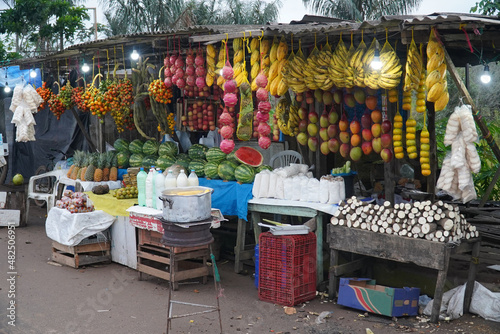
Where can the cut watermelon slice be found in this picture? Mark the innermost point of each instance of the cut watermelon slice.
(249, 156)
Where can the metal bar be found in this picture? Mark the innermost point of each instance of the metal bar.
(190, 314)
(221, 37)
(191, 304)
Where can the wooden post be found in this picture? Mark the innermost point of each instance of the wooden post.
(431, 127)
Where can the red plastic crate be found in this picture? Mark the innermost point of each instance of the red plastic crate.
(287, 268)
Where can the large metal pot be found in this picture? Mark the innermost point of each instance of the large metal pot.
(190, 204)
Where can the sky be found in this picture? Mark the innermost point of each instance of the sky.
(295, 10)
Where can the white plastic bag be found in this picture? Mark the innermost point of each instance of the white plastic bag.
(271, 192)
(296, 188)
(323, 190)
(256, 185)
(288, 188)
(304, 194)
(280, 187)
(264, 184)
(313, 190)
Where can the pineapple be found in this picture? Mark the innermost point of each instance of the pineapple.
(101, 162)
(85, 164)
(77, 163)
(113, 172)
(89, 173)
(109, 160)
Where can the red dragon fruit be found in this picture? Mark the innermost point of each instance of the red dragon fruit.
(226, 118)
(230, 99)
(190, 70)
(230, 86)
(264, 107)
(227, 145)
(261, 80)
(226, 132)
(227, 71)
(199, 61)
(179, 62)
(200, 82)
(264, 143)
(262, 117)
(262, 94)
(200, 71)
(168, 82)
(264, 129)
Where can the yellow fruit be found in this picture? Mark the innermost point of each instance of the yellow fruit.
(426, 172)
(254, 44)
(425, 147)
(424, 154)
(255, 57)
(396, 138)
(399, 155)
(421, 108)
(211, 51)
(441, 103)
(433, 78)
(420, 103)
(393, 99)
(406, 106)
(411, 149)
(397, 131)
(442, 70)
(435, 61)
(410, 136)
(436, 91)
(398, 149)
(424, 140)
(424, 134)
(407, 99)
(398, 125)
(411, 130)
(421, 96)
(425, 166)
(411, 142)
(424, 160)
(412, 155)
(411, 122)
(398, 118)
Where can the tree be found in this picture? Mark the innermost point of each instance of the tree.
(132, 16)
(486, 7)
(42, 23)
(361, 10)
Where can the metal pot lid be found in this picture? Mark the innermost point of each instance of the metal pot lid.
(187, 191)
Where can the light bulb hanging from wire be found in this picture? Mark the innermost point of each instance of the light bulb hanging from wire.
(135, 55)
(85, 68)
(486, 77)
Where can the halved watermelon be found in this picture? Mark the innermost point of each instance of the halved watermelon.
(249, 156)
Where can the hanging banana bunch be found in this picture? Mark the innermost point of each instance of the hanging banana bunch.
(293, 71)
(211, 54)
(391, 71)
(254, 58)
(338, 63)
(348, 70)
(323, 58)
(273, 69)
(279, 86)
(371, 75)
(239, 69)
(264, 61)
(414, 67)
(283, 115)
(356, 64)
(421, 107)
(436, 84)
(221, 61)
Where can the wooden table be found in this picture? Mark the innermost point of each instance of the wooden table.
(424, 253)
(256, 209)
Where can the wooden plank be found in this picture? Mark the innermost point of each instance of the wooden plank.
(474, 261)
(388, 247)
(63, 259)
(153, 257)
(240, 245)
(153, 271)
(389, 168)
(349, 267)
(332, 282)
(191, 273)
(97, 247)
(84, 259)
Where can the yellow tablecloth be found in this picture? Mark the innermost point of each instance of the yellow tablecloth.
(111, 205)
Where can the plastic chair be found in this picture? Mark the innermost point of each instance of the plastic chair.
(49, 198)
(285, 158)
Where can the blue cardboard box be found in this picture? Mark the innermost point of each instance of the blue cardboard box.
(364, 294)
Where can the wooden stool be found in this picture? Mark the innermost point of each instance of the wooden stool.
(81, 255)
(173, 264)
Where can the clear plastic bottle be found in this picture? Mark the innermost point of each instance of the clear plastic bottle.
(141, 186)
(193, 179)
(182, 179)
(150, 188)
(159, 186)
(170, 180)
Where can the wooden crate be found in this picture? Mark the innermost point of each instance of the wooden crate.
(156, 259)
(81, 255)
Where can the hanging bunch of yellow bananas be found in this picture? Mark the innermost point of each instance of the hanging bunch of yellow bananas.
(264, 60)
(239, 69)
(221, 60)
(391, 71)
(414, 67)
(355, 68)
(278, 87)
(283, 116)
(371, 75)
(436, 84)
(211, 54)
(254, 58)
(273, 60)
(338, 63)
(293, 74)
(317, 71)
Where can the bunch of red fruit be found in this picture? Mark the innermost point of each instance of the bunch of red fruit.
(160, 92)
(45, 93)
(200, 116)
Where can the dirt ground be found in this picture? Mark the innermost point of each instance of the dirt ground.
(109, 298)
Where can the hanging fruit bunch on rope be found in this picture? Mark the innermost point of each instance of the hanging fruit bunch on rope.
(221, 61)
(264, 107)
(100, 105)
(397, 136)
(264, 61)
(293, 72)
(127, 99)
(338, 63)
(191, 89)
(240, 72)
(278, 86)
(77, 98)
(414, 67)
(436, 84)
(200, 73)
(65, 95)
(56, 106)
(230, 101)
(211, 54)
(425, 149)
(254, 59)
(62, 101)
(45, 93)
(160, 96)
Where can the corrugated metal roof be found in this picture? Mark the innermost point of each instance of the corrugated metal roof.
(448, 25)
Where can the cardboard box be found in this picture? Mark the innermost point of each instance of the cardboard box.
(9, 217)
(364, 294)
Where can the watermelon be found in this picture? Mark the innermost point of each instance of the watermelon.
(150, 147)
(149, 160)
(184, 163)
(168, 148)
(135, 146)
(164, 162)
(231, 157)
(261, 168)
(226, 170)
(121, 145)
(197, 151)
(198, 165)
(216, 155)
(244, 174)
(135, 160)
(122, 158)
(249, 156)
(183, 156)
(211, 170)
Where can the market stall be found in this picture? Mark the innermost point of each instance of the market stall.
(356, 101)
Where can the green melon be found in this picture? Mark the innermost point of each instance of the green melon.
(184, 163)
(211, 170)
(164, 162)
(183, 156)
(123, 159)
(135, 160)
(249, 156)
(121, 145)
(135, 146)
(216, 155)
(150, 147)
(149, 160)
(226, 170)
(197, 151)
(198, 165)
(262, 167)
(168, 148)
(244, 173)
(231, 157)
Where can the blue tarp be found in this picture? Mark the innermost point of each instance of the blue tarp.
(16, 75)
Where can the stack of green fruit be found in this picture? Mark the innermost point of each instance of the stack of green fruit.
(125, 193)
(346, 169)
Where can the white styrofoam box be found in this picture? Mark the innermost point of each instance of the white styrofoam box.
(3, 199)
(8, 217)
